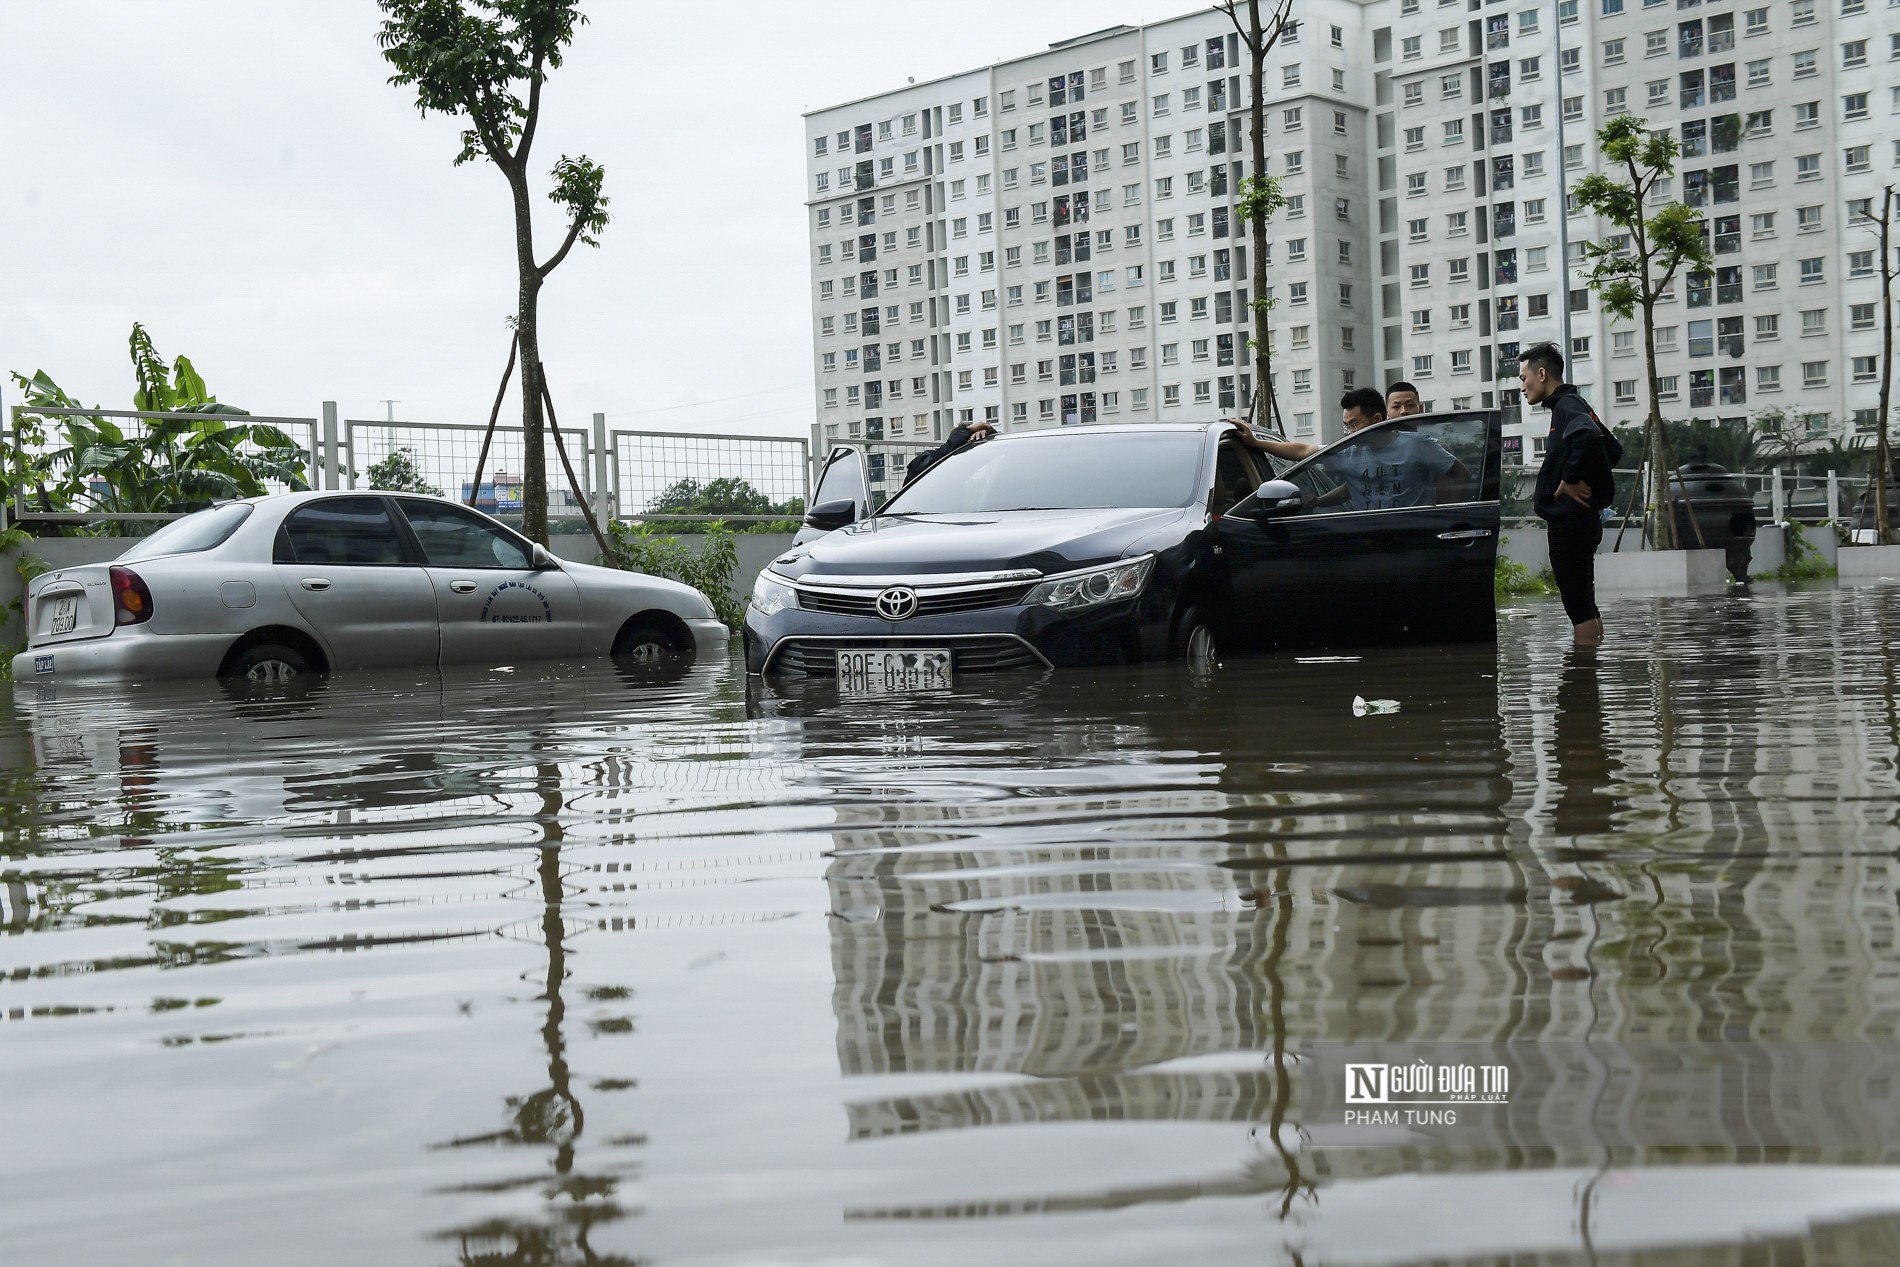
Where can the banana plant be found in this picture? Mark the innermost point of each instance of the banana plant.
(167, 465)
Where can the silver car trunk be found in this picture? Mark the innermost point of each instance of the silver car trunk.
(71, 604)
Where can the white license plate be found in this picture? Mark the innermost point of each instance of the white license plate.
(65, 614)
(891, 671)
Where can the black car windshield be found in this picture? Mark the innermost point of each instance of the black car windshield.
(1075, 470)
(200, 530)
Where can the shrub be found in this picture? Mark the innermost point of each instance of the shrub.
(639, 548)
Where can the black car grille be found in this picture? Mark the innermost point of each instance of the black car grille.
(836, 603)
(818, 657)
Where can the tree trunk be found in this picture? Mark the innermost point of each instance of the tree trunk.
(1256, 42)
(1662, 535)
(1883, 453)
(534, 476)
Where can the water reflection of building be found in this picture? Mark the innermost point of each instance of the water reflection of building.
(1161, 926)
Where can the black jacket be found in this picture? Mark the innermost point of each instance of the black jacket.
(959, 436)
(1574, 452)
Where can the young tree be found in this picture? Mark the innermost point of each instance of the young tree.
(473, 59)
(1260, 195)
(399, 473)
(1633, 274)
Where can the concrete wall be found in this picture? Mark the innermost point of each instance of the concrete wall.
(756, 549)
(1869, 565)
(1527, 545)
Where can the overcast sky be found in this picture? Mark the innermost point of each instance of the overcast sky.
(238, 175)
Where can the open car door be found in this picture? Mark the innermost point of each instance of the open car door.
(1388, 536)
(841, 495)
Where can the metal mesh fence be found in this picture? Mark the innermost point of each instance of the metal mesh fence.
(1809, 499)
(885, 461)
(442, 456)
(136, 465)
(681, 476)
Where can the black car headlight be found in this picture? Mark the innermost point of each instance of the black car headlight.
(1094, 585)
(769, 594)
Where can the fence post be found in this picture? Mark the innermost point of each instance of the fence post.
(1834, 496)
(1779, 499)
(603, 466)
(328, 479)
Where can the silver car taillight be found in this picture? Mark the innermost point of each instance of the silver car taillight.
(131, 597)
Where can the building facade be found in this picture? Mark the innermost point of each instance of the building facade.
(1053, 240)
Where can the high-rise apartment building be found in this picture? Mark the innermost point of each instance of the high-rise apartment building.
(1052, 240)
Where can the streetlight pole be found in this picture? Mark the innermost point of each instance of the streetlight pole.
(1563, 185)
(389, 434)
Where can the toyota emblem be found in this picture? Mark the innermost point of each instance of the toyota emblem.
(897, 603)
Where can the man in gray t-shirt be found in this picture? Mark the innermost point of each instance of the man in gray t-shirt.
(1385, 469)
(1391, 468)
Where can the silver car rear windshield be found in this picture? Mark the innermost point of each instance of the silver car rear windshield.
(1075, 471)
(200, 530)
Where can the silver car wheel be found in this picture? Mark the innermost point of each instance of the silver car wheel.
(271, 671)
(1201, 651)
(649, 651)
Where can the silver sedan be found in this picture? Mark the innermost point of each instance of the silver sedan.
(298, 583)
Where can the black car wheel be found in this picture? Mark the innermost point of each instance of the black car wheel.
(1194, 640)
(649, 646)
(268, 663)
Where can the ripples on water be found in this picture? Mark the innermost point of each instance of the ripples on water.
(560, 966)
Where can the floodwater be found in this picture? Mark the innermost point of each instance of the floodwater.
(560, 966)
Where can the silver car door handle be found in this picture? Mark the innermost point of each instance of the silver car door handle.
(315, 583)
(462, 587)
(1465, 534)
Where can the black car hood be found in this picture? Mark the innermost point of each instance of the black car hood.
(915, 545)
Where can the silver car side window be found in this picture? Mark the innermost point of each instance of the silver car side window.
(341, 530)
(455, 538)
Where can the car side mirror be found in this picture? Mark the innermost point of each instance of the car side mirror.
(827, 516)
(1276, 499)
(544, 560)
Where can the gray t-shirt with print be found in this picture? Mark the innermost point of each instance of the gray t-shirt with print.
(1403, 470)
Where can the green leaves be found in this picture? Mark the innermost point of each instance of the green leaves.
(645, 549)
(1613, 200)
(398, 473)
(1627, 277)
(473, 57)
(164, 464)
(1260, 198)
(1675, 234)
(577, 183)
(1627, 140)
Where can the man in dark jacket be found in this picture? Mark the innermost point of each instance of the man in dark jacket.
(1574, 485)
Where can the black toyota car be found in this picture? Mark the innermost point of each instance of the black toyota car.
(1117, 544)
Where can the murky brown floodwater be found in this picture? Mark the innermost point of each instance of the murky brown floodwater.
(539, 967)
